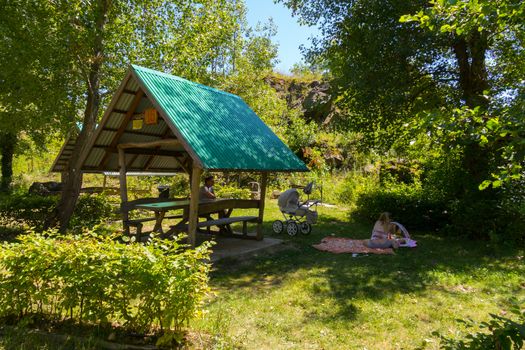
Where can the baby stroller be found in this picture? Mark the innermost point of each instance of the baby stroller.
(298, 217)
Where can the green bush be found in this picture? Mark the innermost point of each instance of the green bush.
(401, 171)
(493, 214)
(179, 186)
(90, 210)
(30, 210)
(229, 191)
(355, 185)
(408, 204)
(499, 220)
(498, 333)
(103, 281)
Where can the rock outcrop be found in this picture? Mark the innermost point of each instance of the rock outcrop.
(314, 98)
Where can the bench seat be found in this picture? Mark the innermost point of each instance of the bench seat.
(133, 222)
(139, 223)
(227, 221)
(223, 223)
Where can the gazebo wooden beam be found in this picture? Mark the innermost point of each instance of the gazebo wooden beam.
(154, 152)
(150, 144)
(123, 186)
(122, 177)
(127, 118)
(133, 132)
(165, 135)
(264, 180)
(145, 151)
(184, 163)
(194, 205)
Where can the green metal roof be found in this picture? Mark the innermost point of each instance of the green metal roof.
(221, 129)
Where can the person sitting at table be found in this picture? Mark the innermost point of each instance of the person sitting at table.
(206, 192)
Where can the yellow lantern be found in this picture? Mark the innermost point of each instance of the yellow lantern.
(150, 116)
(137, 124)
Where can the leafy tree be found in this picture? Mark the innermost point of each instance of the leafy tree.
(84, 47)
(177, 36)
(307, 71)
(487, 39)
(455, 65)
(449, 70)
(35, 95)
(253, 56)
(383, 70)
(7, 144)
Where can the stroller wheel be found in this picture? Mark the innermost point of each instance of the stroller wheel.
(278, 226)
(292, 228)
(305, 227)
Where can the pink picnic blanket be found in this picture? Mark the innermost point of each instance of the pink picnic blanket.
(346, 245)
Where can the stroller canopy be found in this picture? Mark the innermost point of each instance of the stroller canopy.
(289, 200)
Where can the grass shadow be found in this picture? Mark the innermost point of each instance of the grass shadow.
(344, 279)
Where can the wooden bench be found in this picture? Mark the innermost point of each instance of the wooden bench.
(138, 224)
(223, 223)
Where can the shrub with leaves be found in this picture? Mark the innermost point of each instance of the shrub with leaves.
(101, 280)
(354, 185)
(232, 191)
(179, 186)
(23, 209)
(408, 204)
(91, 210)
(499, 333)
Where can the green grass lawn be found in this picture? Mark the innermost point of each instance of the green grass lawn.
(301, 298)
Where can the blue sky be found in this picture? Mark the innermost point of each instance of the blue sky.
(290, 35)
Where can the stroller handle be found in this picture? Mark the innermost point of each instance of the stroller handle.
(310, 203)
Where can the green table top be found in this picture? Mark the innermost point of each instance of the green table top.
(165, 205)
(219, 204)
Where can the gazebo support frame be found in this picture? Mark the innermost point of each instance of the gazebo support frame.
(195, 175)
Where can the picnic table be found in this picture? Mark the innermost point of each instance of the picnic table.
(222, 207)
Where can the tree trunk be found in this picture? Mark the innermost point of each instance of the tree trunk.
(473, 81)
(7, 144)
(473, 76)
(73, 175)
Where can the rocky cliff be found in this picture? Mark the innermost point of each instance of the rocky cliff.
(314, 97)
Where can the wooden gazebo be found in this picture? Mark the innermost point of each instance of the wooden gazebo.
(161, 123)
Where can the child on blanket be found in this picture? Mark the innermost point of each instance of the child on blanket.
(382, 233)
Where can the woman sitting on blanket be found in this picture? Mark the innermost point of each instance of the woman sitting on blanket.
(382, 233)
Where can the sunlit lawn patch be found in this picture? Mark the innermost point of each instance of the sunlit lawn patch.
(301, 298)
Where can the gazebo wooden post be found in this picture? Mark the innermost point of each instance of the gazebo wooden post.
(123, 187)
(264, 178)
(194, 205)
